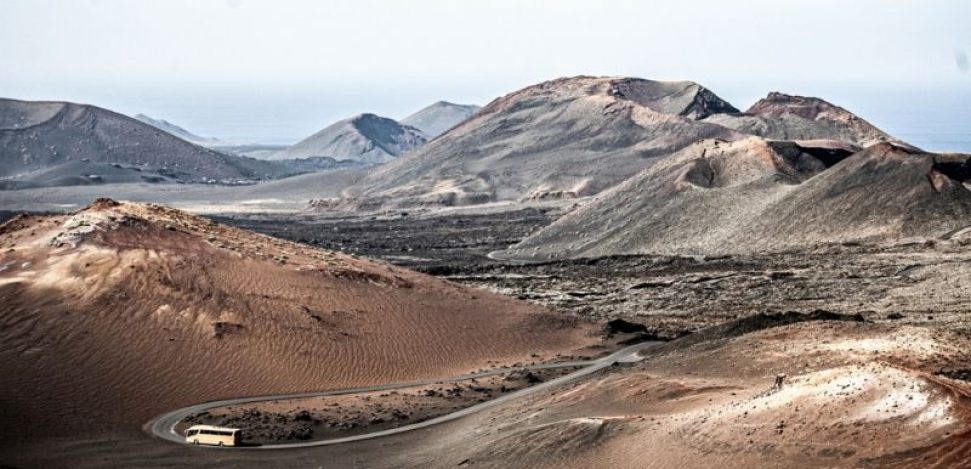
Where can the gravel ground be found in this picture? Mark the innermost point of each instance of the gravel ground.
(914, 283)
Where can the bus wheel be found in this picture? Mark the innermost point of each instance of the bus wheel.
(220, 443)
(196, 442)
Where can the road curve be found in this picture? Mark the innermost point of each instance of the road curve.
(163, 426)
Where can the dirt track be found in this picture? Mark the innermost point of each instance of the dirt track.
(165, 425)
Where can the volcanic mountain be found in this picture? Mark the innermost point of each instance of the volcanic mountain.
(177, 131)
(59, 143)
(574, 137)
(563, 138)
(119, 312)
(434, 120)
(786, 117)
(755, 195)
(365, 138)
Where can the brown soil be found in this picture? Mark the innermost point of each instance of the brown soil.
(120, 312)
(852, 395)
(888, 393)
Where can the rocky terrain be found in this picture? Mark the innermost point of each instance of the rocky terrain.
(437, 118)
(46, 144)
(754, 195)
(406, 238)
(915, 282)
(806, 271)
(365, 138)
(673, 296)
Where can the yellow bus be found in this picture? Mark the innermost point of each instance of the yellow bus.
(210, 435)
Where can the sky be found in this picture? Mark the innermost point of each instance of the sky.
(274, 71)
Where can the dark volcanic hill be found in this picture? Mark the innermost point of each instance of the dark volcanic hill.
(365, 138)
(755, 195)
(59, 143)
(434, 120)
(786, 117)
(176, 130)
(562, 138)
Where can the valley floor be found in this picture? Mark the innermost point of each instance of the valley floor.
(884, 385)
(915, 283)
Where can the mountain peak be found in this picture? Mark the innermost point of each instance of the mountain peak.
(807, 107)
(367, 116)
(564, 138)
(366, 138)
(683, 98)
(782, 116)
(439, 117)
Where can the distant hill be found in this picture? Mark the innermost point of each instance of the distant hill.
(563, 138)
(755, 195)
(786, 117)
(575, 137)
(59, 143)
(365, 138)
(434, 120)
(177, 131)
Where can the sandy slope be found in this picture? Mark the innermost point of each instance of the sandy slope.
(754, 195)
(854, 395)
(117, 313)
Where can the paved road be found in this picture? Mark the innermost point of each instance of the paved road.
(163, 426)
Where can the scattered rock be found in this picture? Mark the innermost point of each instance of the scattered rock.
(622, 326)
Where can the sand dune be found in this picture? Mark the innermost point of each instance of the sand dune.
(119, 312)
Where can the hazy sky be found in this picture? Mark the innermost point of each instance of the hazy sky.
(279, 70)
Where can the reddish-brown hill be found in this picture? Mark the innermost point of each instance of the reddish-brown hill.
(119, 312)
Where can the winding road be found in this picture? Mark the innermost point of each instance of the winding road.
(164, 425)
